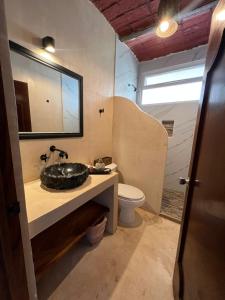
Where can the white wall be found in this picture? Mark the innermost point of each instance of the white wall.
(174, 59)
(183, 114)
(126, 72)
(180, 144)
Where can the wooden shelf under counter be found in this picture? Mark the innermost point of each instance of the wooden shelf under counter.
(51, 244)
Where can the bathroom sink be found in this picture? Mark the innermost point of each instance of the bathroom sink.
(64, 176)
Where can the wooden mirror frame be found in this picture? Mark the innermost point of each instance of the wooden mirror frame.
(40, 135)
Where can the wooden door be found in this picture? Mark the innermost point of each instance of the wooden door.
(23, 106)
(13, 281)
(200, 266)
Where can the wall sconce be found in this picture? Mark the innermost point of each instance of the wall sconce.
(48, 44)
(167, 11)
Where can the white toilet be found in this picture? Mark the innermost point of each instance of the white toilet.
(130, 197)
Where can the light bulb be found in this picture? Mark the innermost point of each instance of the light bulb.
(221, 15)
(50, 49)
(48, 44)
(164, 26)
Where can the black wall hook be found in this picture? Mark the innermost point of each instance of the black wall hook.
(101, 111)
(44, 157)
(133, 86)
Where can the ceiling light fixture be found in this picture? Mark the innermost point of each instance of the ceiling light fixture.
(48, 44)
(164, 25)
(166, 28)
(167, 12)
(221, 15)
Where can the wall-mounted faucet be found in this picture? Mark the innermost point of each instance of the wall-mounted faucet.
(133, 86)
(62, 153)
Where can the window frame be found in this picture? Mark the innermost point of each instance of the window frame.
(164, 84)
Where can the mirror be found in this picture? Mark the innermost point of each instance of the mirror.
(49, 97)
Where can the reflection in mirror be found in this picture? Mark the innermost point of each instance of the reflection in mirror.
(48, 100)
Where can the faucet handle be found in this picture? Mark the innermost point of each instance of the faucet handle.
(44, 157)
(62, 154)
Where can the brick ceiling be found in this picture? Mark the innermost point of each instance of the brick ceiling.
(130, 16)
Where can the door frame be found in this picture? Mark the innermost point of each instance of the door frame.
(17, 276)
(11, 247)
(216, 33)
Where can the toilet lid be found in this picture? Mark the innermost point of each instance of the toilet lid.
(129, 192)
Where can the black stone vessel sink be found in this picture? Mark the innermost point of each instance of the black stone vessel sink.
(64, 176)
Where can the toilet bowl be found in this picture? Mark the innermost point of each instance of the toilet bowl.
(130, 198)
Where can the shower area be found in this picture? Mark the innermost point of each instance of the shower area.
(180, 128)
(179, 119)
(172, 97)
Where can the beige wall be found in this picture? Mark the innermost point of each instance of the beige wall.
(139, 149)
(85, 44)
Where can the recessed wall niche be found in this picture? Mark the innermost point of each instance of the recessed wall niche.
(169, 125)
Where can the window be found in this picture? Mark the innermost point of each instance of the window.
(174, 86)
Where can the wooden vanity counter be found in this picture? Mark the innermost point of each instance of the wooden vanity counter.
(46, 207)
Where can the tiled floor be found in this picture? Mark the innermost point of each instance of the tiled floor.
(173, 204)
(132, 264)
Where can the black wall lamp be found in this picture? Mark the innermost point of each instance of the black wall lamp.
(48, 44)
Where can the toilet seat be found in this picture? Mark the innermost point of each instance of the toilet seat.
(130, 193)
(127, 201)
